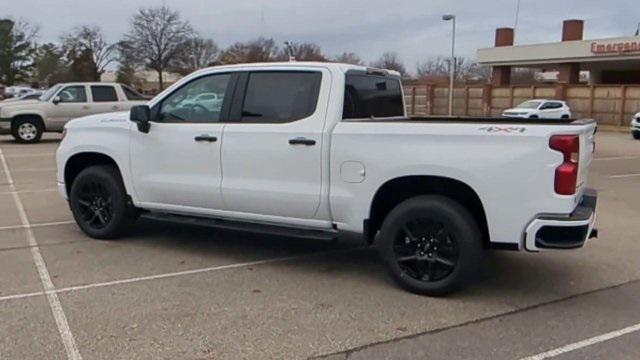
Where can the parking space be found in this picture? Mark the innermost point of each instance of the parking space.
(169, 291)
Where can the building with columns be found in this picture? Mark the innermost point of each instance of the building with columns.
(608, 61)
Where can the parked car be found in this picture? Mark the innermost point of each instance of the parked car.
(16, 91)
(28, 120)
(34, 95)
(540, 109)
(635, 126)
(210, 101)
(323, 150)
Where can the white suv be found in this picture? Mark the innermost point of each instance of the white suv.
(540, 109)
(635, 126)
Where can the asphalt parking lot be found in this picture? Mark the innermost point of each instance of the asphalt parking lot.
(180, 292)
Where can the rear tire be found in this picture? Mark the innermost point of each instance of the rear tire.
(100, 204)
(636, 135)
(431, 245)
(534, 117)
(27, 130)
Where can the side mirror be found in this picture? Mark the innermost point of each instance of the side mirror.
(141, 115)
(56, 100)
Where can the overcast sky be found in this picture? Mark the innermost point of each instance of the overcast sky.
(412, 28)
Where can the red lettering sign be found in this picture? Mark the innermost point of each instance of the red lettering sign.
(615, 48)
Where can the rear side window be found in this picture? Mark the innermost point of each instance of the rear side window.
(367, 96)
(104, 94)
(280, 97)
(552, 105)
(131, 94)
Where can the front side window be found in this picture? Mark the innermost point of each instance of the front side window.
(49, 94)
(73, 94)
(280, 97)
(104, 94)
(187, 103)
(372, 96)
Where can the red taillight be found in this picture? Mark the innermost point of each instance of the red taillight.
(567, 172)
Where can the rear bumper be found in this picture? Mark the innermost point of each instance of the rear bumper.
(562, 232)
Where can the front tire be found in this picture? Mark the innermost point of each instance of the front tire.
(636, 135)
(99, 203)
(431, 245)
(27, 130)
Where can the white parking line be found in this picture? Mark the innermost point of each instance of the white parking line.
(34, 170)
(28, 191)
(54, 302)
(623, 176)
(9, 156)
(176, 274)
(605, 158)
(584, 343)
(38, 225)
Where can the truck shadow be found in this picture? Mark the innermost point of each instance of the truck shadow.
(508, 277)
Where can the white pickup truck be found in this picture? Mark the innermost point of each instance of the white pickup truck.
(319, 150)
(27, 120)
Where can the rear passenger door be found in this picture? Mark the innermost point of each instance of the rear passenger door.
(105, 98)
(272, 149)
(551, 110)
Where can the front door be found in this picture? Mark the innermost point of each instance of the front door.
(272, 150)
(177, 164)
(551, 110)
(71, 103)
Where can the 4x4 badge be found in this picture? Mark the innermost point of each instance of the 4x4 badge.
(498, 129)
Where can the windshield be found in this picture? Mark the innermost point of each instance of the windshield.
(50, 93)
(529, 105)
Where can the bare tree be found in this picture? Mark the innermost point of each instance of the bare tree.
(260, 50)
(157, 36)
(390, 61)
(197, 53)
(90, 40)
(348, 58)
(17, 50)
(433, 67)
(303, 52)
(436, 69)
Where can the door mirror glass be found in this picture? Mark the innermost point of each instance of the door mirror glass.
(140, 114)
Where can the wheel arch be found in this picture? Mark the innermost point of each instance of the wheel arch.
(399, 189)
(34, 116)
(80, 161)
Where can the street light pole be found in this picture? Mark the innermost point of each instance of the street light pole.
(452, 64)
